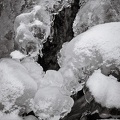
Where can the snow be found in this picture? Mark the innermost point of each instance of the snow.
(105, 89)
(17, 87)
(10, 116)
(17, 55)
(49, 101)
(91, 50)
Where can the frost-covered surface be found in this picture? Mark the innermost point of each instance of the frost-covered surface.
(32, 28)
(96, 48)
(16, 86)
(105, 89)
(50, 102)
(34, 70)
(25, 86)
(10, 116)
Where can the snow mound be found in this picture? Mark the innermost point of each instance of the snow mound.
(99, 47)
(50, 102)
(17, 88)
(105, 89)
(17, 55)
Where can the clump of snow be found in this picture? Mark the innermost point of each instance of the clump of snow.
(17, 87)
(10, 116)
(105, 89)
(50, 102)
(17, 55)
(99, 47)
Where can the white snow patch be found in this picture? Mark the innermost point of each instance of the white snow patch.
(105, 89)
(17, 55)
(10, 116)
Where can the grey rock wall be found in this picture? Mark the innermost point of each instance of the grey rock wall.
(96, 12)
(9, 9)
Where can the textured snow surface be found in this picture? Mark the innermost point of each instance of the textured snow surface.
(16, 86)
(11, 116)
(97, 47)
(17, 55)
(50, 102)
(105, 89)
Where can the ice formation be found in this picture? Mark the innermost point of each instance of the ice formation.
(34, 27)
(49, 102)
(17, 88)
(105, 89)
(99, 47)
(10, 116)
(34, 70)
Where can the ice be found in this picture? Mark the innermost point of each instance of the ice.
(32, 27)
(93, 49)
(30, 117)
(50, 102)
(105, 89)
(16, 85)
(34, 70)
(52, 78)
(10, 116)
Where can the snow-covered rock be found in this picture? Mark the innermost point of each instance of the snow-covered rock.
(10, 116)
(50, 102)
(99, 47)
(17, 87)
(105, 89)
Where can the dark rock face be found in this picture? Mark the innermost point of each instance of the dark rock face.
(9, 9)
(62, 32)
(96, 12)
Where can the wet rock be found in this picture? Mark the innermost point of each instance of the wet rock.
(96, 12)
(8, 12)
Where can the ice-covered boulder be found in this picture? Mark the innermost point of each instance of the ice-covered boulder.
(17, 87)
(32, 29)
(49, 102)
(99, 47)
(34, 70)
